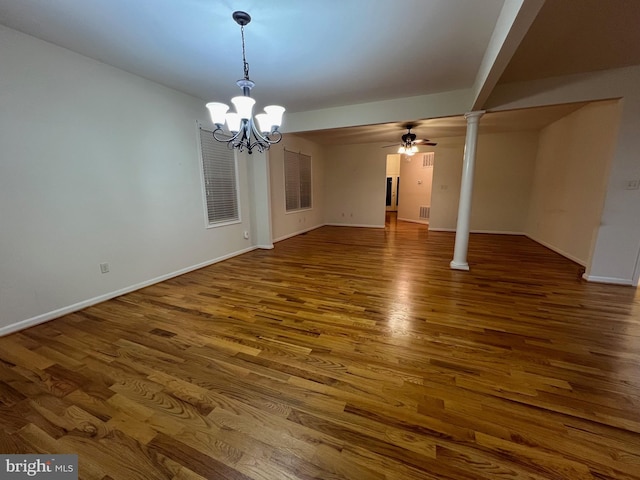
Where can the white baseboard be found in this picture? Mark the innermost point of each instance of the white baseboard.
(497, 232)
(422, 222)
(559, 251)
(354, 225)
(491, 232)
(439, 229)
(295, 234)
(612, 280)
(45, 317)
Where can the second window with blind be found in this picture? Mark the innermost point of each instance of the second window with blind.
(297, 181)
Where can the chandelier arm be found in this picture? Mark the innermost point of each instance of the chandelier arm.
(238, 141)
(221, 136)
(259, 143)
(266, 138)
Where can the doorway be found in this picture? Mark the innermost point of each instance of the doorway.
(393, 182)
(393, 187)
(417, 178)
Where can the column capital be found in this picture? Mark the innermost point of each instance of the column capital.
(474, 116)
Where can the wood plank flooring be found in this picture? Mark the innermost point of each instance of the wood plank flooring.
(344, 353)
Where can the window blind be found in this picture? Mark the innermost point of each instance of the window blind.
(297, 181)
(305, 180)
(220, 180)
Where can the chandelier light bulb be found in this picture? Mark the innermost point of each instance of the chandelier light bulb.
(218, 112)
(234, 121)
(264, 123)
(244, 106)
(275, 113)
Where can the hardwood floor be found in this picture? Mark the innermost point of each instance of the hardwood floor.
(344, 353)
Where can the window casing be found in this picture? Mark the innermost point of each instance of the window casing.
(297, 181)
(220, 181)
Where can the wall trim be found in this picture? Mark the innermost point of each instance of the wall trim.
(422, 222)
(588, 278)
(558, 250)
(45, 317)
(491, 232)
(353, 225)
(295, 234)
(544, 244)
(611, 280)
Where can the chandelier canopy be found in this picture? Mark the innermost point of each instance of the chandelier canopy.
(243, 131)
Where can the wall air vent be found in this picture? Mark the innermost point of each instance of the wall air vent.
(425, 212)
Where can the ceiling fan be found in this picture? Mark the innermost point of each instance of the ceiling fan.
(410, 143)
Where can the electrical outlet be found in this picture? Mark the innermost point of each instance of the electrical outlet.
(104, 267)
(633, 184)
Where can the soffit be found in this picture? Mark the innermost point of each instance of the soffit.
(570, 36)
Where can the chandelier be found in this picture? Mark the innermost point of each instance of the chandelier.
(243, 130)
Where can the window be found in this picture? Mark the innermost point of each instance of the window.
(297, 181)
(220, 180)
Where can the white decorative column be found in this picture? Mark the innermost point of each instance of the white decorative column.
(459, 261)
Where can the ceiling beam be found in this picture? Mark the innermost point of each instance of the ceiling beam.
(512, 25)
(396, 110)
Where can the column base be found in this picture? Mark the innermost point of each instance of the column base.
(459, 266)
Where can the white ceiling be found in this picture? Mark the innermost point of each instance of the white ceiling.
(303, 55)
(307, 55)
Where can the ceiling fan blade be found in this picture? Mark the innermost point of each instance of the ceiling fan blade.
(425, 141)
(393, 145)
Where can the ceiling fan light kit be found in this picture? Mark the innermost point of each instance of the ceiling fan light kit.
(412, 150)
(409, 144)
(244, 132)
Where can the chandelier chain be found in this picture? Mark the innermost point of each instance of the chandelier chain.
(244, 55)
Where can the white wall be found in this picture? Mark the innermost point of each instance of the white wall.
(97, 165)
(445, 193)
(616, 256)
(570, 179)
(355, 185)
(258, 179)
(415, 187)
(501, 187)
(393, 164)
(285, 225)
